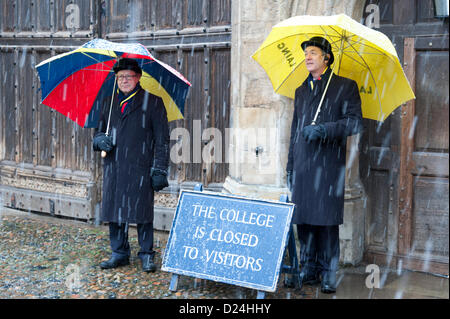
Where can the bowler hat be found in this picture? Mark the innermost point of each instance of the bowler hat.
(321, 43)
(127, 64)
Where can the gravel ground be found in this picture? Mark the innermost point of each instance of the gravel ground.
(51, 258)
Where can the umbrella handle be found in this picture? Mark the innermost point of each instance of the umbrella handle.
(110, 106)
(103, 154)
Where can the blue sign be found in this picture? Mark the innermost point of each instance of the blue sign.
(228, 239)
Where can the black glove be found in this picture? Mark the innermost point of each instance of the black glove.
(289, 180)
(102, 142)
(159, 179)
(314, 132)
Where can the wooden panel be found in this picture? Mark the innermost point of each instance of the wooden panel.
(8, 16)
(64, 147)
(194, 111)
(431, 213)
(117, 16)
(439, 42)
(425, 10)
(382, 132)
(139, 13)
(8, 99)
(220, 107)
(168, 14)
(45, 15)
(195, 12)
(25, 106)
(26, 15)
(432, 130)
(378, 210)
(380, 158)
(44, 125)
(386, 11)
(430, 164)
(404, 12)
(220, 12)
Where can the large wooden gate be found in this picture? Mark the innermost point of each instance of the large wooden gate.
(46, 161)
(404, 161)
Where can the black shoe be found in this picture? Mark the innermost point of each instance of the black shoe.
(147, 263)
(326, 288)
(328, 285)
(114, 262)
(307, 279)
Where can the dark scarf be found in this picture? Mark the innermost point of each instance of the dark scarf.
(319, 84)
(125, 98)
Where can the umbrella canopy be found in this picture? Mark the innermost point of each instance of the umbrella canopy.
(360, 53)
(76, 82)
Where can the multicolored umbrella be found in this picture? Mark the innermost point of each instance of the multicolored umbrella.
(75, 83)
(362, 54)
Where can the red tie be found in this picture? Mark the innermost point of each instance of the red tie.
(123, 106)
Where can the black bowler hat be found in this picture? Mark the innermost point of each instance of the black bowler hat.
(127, 64)
(321, 43)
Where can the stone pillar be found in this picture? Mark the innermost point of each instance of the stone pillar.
(258, 140)
(260, 118)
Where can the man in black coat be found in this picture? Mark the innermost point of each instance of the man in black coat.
(316, 162)
(135, 165)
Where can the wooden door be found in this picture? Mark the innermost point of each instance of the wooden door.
(46, 161)
(423, 187)
(404, 161)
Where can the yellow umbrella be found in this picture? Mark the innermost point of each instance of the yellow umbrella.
(362, 54)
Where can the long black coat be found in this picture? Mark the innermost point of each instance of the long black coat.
(319, 167)
(141, 138)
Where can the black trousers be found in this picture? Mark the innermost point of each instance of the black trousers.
(319, 249)
(118, 237)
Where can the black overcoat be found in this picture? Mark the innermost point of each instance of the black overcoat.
(141, 139)
(319, 167)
